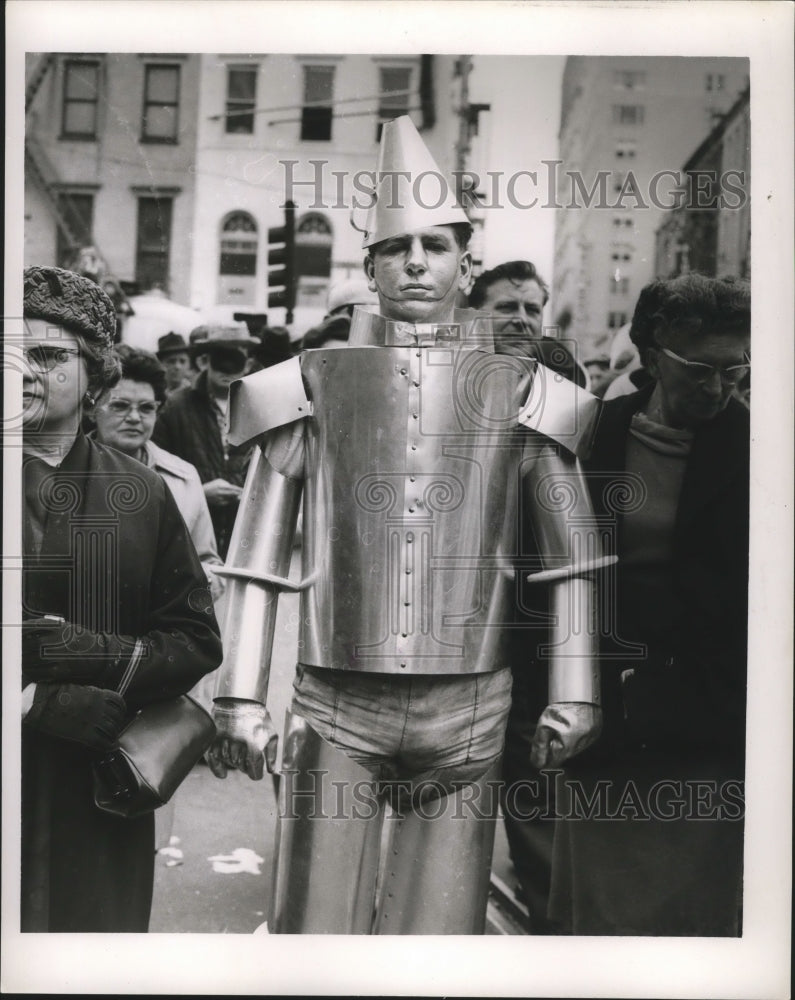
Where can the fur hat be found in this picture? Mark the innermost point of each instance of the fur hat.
(69, 300)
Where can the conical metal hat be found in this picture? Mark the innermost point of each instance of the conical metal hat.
(420, 198)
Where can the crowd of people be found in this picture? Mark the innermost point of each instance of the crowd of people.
(640, 829)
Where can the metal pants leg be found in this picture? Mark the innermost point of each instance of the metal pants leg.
(327, 839)
(436, 877)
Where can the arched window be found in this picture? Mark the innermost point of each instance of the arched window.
(314, 225)
(313, 241)
(239, 244)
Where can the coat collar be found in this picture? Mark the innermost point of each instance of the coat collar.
(160, 460)
(720, 451)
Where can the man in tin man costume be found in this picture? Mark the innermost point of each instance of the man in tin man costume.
(407, 446)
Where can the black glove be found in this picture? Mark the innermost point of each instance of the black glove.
(79, 713)
(54, 650)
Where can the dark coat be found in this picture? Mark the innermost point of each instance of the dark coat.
(82, 869)
(187, 427)
(692, 689)
(652, 858)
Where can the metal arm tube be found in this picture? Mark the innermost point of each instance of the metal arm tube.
(262, 542)
(569, 542)
(573, 652)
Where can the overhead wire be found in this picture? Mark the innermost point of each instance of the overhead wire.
(344, 114)
(392, 94)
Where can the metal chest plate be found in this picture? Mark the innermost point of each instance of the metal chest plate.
(409, 508)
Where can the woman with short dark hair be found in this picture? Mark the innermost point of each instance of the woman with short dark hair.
(651, 836)
(124, 417)
(113, 597)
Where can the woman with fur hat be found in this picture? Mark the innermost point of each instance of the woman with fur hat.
(113, 596)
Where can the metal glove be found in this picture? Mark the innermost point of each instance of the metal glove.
(563, 730)
(246, 739)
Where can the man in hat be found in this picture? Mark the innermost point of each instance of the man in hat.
(193, 422)
(599, 374)
(274, 347)
(172, 353)
(408, 472)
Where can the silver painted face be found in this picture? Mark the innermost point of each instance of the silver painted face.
(418, 275)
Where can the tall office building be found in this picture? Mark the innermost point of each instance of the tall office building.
(628, 124)
(714, 237)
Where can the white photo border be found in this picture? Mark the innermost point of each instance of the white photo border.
(756, 966)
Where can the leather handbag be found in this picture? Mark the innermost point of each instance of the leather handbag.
(154, 754)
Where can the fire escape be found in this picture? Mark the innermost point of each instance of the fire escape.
(40, 171)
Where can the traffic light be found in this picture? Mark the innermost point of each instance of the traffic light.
(281, 252)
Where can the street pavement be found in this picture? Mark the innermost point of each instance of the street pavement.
(216, 837)
(215, 877)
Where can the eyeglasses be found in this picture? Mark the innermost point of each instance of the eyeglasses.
(702, 373)
(123, 407)
(46, 357)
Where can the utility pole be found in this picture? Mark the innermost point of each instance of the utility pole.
(463, 146)
(467, 127)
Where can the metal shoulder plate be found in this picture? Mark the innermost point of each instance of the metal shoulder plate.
(269, 398)
(561, 411)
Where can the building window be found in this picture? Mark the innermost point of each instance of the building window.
(77, 212)
(80, 87)
(628, 114)
(620, 254)
(317, 112)
(625, 150)
(313, 242)
(394, 86)
(161, 104)
(239, 245)
(619, 285)
(241, 95)
(153, 242)
(628, 79)
(714, 82)
(616, 319)
(620, 222)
